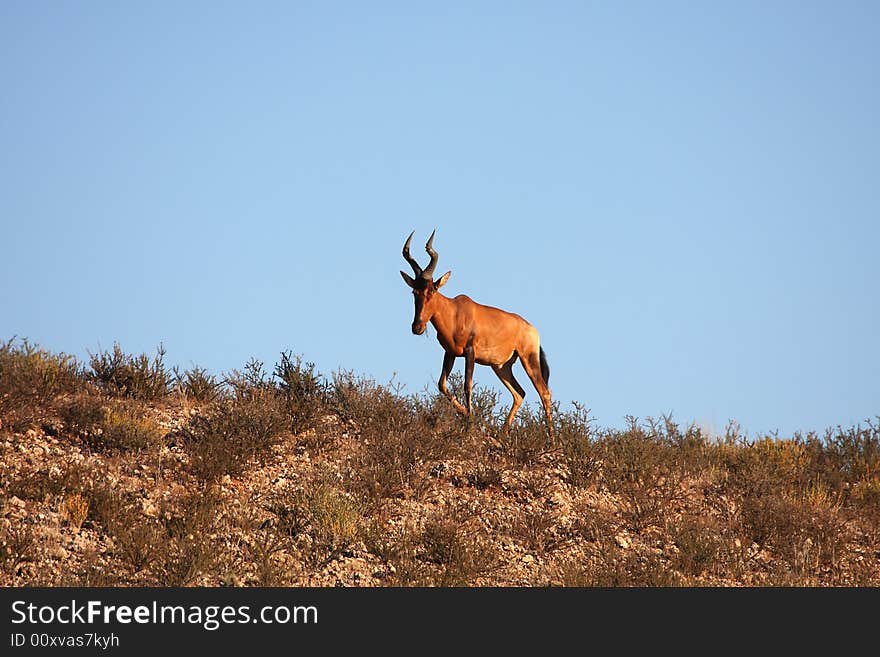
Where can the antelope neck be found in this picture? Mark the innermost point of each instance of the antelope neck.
(440, 316)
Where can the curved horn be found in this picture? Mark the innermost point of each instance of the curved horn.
(412, 262)
(428, 271)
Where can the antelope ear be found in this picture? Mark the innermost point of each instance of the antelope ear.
(408, 279)
(440, 282)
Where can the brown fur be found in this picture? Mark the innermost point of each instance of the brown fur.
(484, 335)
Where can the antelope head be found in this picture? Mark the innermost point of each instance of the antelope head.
(424, 287)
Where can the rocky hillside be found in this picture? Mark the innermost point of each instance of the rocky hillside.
(120, 472)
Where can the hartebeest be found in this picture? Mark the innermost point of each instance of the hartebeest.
(482, 334)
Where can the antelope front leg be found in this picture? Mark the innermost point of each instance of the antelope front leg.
(469, 377)
(448, 362)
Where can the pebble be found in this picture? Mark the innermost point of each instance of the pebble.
(58, 552)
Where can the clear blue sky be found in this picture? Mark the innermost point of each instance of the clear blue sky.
(683, 197)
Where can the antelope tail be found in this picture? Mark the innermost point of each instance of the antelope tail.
(545, 368)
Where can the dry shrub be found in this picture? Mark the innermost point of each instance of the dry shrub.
(644, 470)
(125, 427)
(32, 484)
(83, 413)
(450, 549)
(790, 496)
(534, 483)
(484, 475)
(107, 503)
(528, 441)
(760, 468)
(699, 543)
(865, 499)
(291, 519)
(334, 522)
(321, 520)
(628, 568)
(92, 571)
(139, 540)
(322, 438)
(390, 467)
(486, 415)
(351, 396)
(538, 530)
(188, 552)
(689, 446)
(249, 382)
(592, 524)
(30, 380)
(570, 572)
(398, 546)
(263, 542)
(453, 549)
(198, 385)
(263, 548)
(74, 510)
(375, 409)
(17, 542)
(395, 447)
(303, 390)
(576, 437)
(137, 377)
(804, 527)
(846, 456)
(43, 482)
(611, 567)
(109, 424)
(233, 433)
